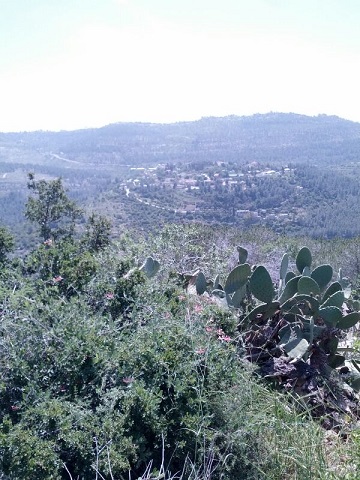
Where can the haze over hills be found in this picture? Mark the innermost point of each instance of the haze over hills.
(294, 173)
(279, 137)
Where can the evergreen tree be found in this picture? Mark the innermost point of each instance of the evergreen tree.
(51, 208)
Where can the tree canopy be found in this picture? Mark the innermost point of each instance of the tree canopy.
(51, 208)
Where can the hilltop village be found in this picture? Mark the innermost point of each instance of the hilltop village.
(187, 189)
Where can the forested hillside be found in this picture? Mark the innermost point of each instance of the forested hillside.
(274, 137)
(293, 173)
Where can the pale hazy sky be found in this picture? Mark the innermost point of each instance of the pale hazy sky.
(67, 64)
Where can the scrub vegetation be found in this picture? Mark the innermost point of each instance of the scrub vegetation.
(139, 358)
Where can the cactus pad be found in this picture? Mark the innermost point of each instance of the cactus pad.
(238, 297)
(200, 283)
(150, 267)
(290, 289)
(333, 288)
(243, 254)
(322, 275)
(305, 304)
(330, 315)
(284, 266)
(303, 259)
(308, 286)
(289, 276)
(265, 311)
(296, 348)
(261, 285)
(237, 278)
(349, 321)
(336, 361)
(335, 300)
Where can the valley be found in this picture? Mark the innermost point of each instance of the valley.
(295, 174)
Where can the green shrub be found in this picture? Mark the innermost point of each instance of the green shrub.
(132, 375)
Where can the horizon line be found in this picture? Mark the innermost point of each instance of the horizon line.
(207, 117)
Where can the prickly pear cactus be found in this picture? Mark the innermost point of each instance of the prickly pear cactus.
(332, 288)
(303, 259)
(302, 319)
(290, 289)
(289, 276)
(200, 283)
(237, 278)
(261, 285)
(335, 300)
(322, 275)
(150, 267)
(238, 297)
(284, 266)
(308, 286)
(330, 316)
(348, 321)
(243, 254)
(296, 326)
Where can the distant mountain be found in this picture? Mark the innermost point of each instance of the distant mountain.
(272, 137)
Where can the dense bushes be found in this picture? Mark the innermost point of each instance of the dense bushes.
(105, 373)
(127, 373)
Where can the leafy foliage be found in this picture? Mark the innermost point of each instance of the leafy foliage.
(7, 243)
(51, 208)
(98, 230)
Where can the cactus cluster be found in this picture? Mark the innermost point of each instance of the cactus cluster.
(307, 311)
(311, 306)
(293, 329)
